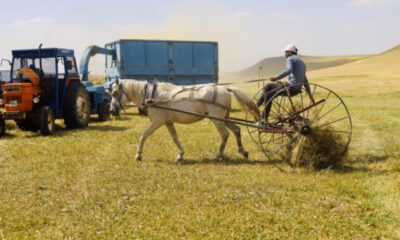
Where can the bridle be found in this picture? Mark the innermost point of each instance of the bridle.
(121, 92)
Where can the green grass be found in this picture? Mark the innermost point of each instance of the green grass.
(84, 184)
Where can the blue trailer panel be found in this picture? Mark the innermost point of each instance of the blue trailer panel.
(4, 75)
(179, 62)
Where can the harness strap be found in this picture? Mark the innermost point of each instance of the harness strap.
(148, 95)
(191, 94)
(153, 92)
(193, 100)
(215, 94)
(186, 89)
(143, 103)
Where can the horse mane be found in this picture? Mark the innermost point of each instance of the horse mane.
(135, 86)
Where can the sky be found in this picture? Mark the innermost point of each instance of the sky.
(246, 30)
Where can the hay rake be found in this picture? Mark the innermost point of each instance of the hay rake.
(292, 123)
(297, 121)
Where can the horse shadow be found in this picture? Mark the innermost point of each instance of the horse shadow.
(227, 161)
(124, 117)
(107, 128)
(354, 164)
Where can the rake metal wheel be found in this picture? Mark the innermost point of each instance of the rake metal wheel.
(294, 121)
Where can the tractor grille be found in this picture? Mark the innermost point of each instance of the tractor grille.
(12, 89)
(8, 100)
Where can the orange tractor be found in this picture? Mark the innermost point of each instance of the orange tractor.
(19, 97)
(45, 85)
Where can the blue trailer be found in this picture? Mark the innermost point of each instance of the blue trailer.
(178, 62)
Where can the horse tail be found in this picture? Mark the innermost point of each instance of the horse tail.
(245, 101)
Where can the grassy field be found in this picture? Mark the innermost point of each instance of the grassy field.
(84, 184)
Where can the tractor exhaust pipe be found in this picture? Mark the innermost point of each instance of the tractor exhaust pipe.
(42, 85)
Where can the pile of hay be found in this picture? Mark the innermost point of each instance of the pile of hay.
(323, 149)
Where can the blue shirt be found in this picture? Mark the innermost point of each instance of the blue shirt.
(296, 70)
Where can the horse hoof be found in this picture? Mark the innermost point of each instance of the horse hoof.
(179, 159)
(138, 158)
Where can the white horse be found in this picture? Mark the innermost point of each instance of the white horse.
(208, 100)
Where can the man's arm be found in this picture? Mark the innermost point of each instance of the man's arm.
(287, 71)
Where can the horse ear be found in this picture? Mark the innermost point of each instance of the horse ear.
(117, 81)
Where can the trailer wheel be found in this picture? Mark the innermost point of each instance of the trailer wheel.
(46, 121)
(2, 127)
(103, 111)
(77, 106)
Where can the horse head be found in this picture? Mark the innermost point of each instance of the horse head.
(118, 98)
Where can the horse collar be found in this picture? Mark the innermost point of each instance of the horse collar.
(149, 91)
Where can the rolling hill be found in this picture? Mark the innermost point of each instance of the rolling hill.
(383, 65)
(272, 66)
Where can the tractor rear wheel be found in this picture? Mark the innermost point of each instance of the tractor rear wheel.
(2, 127)
(77, 106)
(46, 121)
(103, 111)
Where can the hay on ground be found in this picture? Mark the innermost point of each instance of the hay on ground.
(323, 149)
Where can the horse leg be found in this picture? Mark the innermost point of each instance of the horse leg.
(172, 131)
(236, 130)
(154, 126)
(224, 138)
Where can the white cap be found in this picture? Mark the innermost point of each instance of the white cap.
(291, 47)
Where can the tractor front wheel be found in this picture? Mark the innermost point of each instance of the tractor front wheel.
(46, 121)
(2, 127)
(77, 106)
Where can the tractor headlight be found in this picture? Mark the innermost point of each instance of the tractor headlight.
(36, 99)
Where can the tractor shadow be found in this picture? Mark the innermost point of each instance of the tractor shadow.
(8, 135)
(61, 131)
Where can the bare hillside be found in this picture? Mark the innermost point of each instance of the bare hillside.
(383, 65)
(272, 66)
